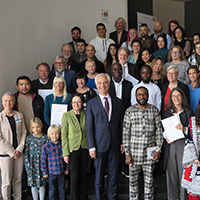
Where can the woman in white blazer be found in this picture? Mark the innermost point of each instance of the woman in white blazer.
(12, 139)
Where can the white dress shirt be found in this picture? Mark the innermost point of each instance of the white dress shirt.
(118, 88)
(154, 94)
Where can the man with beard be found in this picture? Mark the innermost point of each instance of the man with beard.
(158, 31)
(76, 35)
(69, 75)
(27, 102)
(141, 130)
(154, 96)
(146, 41)
(43, 82)
(67, 52)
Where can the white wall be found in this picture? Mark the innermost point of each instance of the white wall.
(166, 10)
(33, 31)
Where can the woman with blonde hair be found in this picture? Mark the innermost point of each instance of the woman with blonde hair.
(158, 72)
(176, 57)
(59, 96)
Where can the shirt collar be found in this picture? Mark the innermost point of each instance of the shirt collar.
(43, 82)
(102, 97)
(116, 82)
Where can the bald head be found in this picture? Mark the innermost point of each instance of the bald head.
(90, 51)
(158, 27)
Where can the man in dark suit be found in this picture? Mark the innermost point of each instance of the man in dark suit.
(104, 134)
(130, 71)
(69, 75)
(120, 35)
(119, 87)
(76, 35)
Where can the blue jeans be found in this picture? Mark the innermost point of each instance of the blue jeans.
(57, 182)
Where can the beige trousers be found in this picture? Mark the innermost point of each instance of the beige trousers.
(11, 173)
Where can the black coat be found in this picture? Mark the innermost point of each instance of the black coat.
(184, 117)
(114, 37)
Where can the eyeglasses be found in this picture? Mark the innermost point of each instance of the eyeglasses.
(171, 73)
(176, 96)
(76, 102)
(58, 63)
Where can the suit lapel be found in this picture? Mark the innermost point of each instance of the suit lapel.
(123, 90)
(112, 89)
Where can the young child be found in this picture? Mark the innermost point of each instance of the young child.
(33, 148)
(52, 163)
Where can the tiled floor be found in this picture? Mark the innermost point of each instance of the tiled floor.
(160, 188)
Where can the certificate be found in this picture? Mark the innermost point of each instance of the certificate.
(133, 80)
(172, 132)
(44, 92)
(57, 111)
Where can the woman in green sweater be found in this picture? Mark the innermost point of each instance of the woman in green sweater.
(75, 149)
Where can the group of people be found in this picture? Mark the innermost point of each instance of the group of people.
(117, 90)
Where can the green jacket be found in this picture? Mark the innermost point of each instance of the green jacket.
(73, 133)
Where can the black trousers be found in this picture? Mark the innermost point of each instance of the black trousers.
(78, 166)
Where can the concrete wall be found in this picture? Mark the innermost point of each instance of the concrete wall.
(33, 31)
(166, 10)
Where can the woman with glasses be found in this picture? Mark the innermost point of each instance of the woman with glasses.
(176, 57)
(173, 150)
(75, 148)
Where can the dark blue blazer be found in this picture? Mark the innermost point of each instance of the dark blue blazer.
(69, 78)
(101, 133)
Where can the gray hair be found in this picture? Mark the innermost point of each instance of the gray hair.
(173, 67)
(125, 49)
(105, 75)
(9, 94)
(69, 45)
(59, 57)
(122, 20)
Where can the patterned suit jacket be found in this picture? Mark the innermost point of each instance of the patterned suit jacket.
(142, 129)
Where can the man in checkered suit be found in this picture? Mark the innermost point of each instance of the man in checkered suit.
(141, 130)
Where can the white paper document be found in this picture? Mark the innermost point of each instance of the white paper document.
(44, 92)
(133, 80)
(57, 111)
(171, 131)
